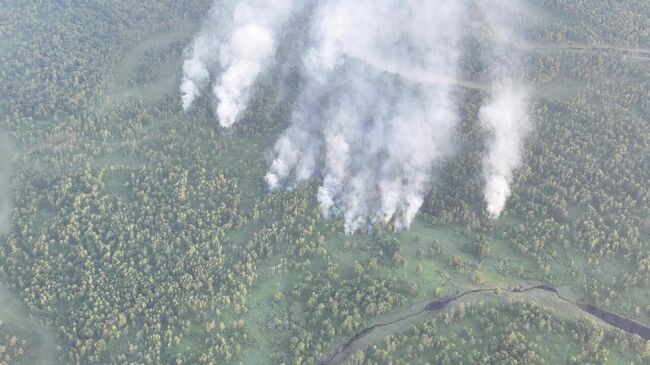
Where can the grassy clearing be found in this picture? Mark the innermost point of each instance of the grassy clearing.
(261, 303)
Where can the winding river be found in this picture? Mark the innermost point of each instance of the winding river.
(610, 318)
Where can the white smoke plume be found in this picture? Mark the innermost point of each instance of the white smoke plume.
(203, 56)
(506, 117)
(505, 114)
(376, 109)
(6, 166)
(378, 127)
(239, 46)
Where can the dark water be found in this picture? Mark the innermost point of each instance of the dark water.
(612, 319)
(615, 320)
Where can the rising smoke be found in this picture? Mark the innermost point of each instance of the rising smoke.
(505, 115)
(377, 110)
(240, 47)
(379, 135)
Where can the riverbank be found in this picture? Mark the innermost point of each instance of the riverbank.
(541, 293)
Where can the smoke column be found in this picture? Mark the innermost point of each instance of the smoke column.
(240, 47)
(6, 201)
(505, 115)
(380, 132)
(376, 109)
(202, 56)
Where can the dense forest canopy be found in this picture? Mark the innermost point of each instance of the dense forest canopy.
(132, 231)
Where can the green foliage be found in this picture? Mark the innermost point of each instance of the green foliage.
(502, 334)
(145, 235)
(12, 347)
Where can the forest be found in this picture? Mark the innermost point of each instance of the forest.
(141, 234)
